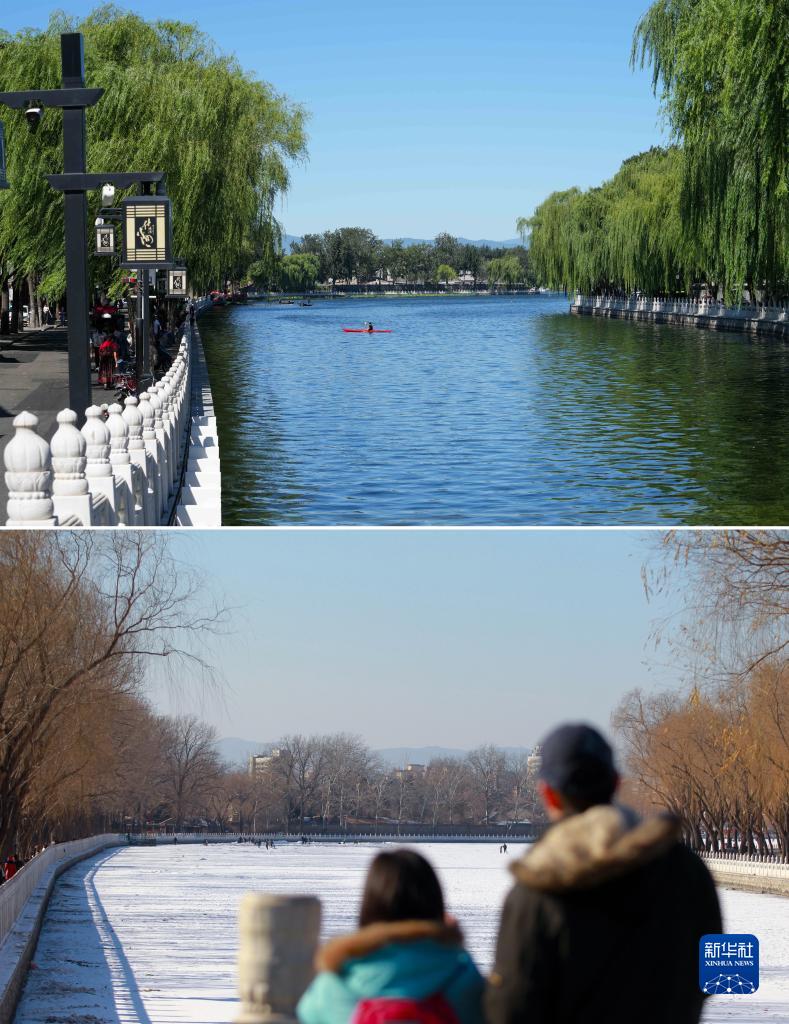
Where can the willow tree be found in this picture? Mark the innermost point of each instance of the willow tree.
(623, 235)
(721, 68)
(173, 103)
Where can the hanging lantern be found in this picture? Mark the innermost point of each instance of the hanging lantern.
(105, 239)
(147, 232)
(3, 179)
(176, 283)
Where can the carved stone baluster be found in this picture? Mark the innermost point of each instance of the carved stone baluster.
(153, 458)
(121, 465)
(139, 460)
(98, 470)
(28, 475)
(70, 491)
(164, 470)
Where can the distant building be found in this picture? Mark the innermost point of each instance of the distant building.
(534, 761)
(411, 770)
(262, 762)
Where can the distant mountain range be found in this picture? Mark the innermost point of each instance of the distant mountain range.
(510, 243)
(237, 752)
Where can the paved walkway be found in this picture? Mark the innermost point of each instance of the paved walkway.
(34, 377)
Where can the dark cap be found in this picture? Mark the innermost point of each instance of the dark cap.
(578, 762)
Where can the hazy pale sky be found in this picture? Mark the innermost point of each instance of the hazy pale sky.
(424, 637)
(425, 117)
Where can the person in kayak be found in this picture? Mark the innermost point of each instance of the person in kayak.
(368, 327)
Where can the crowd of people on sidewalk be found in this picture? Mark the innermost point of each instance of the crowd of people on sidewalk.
(602, 924)
(111, 342)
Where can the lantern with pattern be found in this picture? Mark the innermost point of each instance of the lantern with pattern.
(105, 239)
(146, 232)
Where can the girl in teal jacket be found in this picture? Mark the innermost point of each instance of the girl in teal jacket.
(405, 949)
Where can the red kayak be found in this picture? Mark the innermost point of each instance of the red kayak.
(363, 330)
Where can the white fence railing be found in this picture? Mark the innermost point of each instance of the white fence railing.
(17, 890)
(333, 837)
(737, 864)
(122, 470)
(686, 307)
(125, 466)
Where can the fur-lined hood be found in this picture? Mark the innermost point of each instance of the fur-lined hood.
(397, 960)
(336, 952)
(583, 850)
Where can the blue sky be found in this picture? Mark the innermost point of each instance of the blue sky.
(425, 637)
(427, 117)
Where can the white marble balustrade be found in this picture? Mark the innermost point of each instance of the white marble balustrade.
(689, 307)
(123, 468)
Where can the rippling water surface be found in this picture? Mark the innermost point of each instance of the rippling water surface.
(493, 411)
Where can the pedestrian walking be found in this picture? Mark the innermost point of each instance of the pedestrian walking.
(10, 867)
(108, 361)
(405, 963)
(604, 920)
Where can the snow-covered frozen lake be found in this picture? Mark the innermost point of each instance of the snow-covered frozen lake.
(148, 935)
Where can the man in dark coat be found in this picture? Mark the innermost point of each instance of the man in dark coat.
(604, 921)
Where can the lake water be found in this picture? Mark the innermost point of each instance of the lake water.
(493, 410)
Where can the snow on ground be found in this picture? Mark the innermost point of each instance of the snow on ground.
(148, 935)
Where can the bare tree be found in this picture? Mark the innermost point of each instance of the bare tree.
(487, 766)
(190, 763)
(733, 589)
(520, 778)
(83, 613)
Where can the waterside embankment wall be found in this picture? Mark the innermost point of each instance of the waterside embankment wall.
(771, 321)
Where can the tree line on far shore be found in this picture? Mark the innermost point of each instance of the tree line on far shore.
(711, 210)
(357, 254)
(172, 103)
(337, 781)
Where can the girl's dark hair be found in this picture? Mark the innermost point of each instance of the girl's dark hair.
(401, 886)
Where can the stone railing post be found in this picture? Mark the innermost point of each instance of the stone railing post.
(155, 399)
(279, 935)
(70, 491)
(28, 475)
(121, 465)
(166, 395)
(98, 470)
(143, 495)
(152, 457)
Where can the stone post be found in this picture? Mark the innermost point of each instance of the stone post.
(143, 494)
(120, 461)
(70, 492)
(98, 470)
(279, 935)
(28, 475)
(152, 452)
(155, 398)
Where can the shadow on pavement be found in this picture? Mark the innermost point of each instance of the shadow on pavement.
(80, 973)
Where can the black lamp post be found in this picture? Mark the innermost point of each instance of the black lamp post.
(73, 99)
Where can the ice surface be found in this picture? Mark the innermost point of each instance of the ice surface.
(148, 935)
